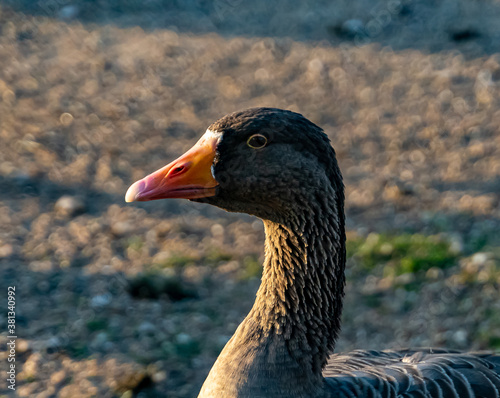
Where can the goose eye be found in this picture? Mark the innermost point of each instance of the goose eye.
(257, 141)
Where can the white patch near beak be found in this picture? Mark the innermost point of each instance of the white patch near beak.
(210, 134)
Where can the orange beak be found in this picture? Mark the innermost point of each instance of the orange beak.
(189, 177)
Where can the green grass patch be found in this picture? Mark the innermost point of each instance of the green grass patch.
(401, 254)
(134, 243)
(77, 350)
(97, 324)
(178, 260)
(494, 342)
(488, 339)
(215, 257)
(252, 268)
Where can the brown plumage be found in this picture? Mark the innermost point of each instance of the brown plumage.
(280, 167)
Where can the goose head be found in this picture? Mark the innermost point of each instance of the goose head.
(266, 162)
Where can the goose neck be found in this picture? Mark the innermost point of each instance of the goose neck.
(300, 298)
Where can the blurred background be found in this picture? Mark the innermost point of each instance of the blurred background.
(124, 300)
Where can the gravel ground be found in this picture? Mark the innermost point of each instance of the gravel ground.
(117, 300)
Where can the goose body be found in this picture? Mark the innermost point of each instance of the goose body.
(279, 166)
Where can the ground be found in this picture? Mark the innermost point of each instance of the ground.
(121, 300)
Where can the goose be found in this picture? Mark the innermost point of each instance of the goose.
(279, 166)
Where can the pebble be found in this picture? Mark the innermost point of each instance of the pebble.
(69, 206)
(6, 250)
(161, 257)
(53, 343)
(22, 345)
(460, 337)
(123, 374)
(183, 338)
(100, 340)
(217, 230)
(58, 377)
(480, 258)
(101, 300)
(69, 12)
(41, 266)
(146, 328)
(9, 97)
(159, 377)
(456, 244)
(434, 273)
(32, 364)
(405, 279)
(353, 27)
(66, 119)
(122, 228)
